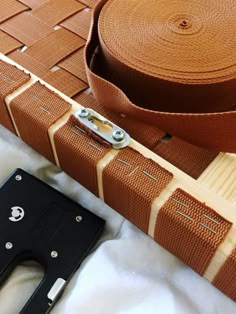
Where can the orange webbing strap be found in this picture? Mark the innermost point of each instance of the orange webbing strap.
(48, 37)
(8, 43)
(191, 159)
(157, 197)
(11, 79)
(10, 8)
(170, 65)
(78, 154)
(34, 111)
(144, 180)
(190, 230)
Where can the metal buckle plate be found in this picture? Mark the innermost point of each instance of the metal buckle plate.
(102, 127)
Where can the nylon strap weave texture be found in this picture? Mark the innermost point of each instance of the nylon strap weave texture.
(169, 64)
(47, 37)
(190, 230)
(131, 199)
(11, 79)
(130, 182)
(52, 46)
(82, 154)
(34, 111)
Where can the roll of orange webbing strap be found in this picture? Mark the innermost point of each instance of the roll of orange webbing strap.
(168, 63)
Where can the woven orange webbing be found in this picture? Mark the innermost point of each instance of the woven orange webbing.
(8, 43)
(34, 111)
(10, 79)
(47, 37)
(79, 154)
(190, 230)
(10, 8)
(131, 182)
(168, 64)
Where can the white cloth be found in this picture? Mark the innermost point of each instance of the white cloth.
(126, 273)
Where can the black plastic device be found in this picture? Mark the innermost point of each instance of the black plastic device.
(37, 222)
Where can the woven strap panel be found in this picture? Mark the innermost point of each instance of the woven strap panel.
(11, 79)
(82, 154)
(129, 180)
(10, 8)
(48, 37)
(190, 230)
(34, 111)
(8, 43)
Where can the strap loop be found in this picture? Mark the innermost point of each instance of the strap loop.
(157, 71)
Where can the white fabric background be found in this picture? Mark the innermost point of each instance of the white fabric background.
(127, 272)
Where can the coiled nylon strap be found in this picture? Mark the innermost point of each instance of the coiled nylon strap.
(171, 64)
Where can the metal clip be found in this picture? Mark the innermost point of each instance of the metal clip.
(102, 127)
(56, 289)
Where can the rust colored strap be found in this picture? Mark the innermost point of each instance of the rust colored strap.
(190, 230)
(168, 64)
(34, 111)
(10, 8)
(47, 37)
(11, 78)
(225, 280)
(123, 182)
(158, 198)
(78, 154)
(8, 43)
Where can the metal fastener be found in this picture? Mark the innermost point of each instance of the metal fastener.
(54, 254)
(79, 218)
(83, 113)
(9, 246)
(118, 135)
(18, 178)
(108, 131)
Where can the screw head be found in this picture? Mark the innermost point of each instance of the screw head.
(8, 245)
(18, 178)
(83, 113)
(118, 135)
(54, 254)
(79, 218)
